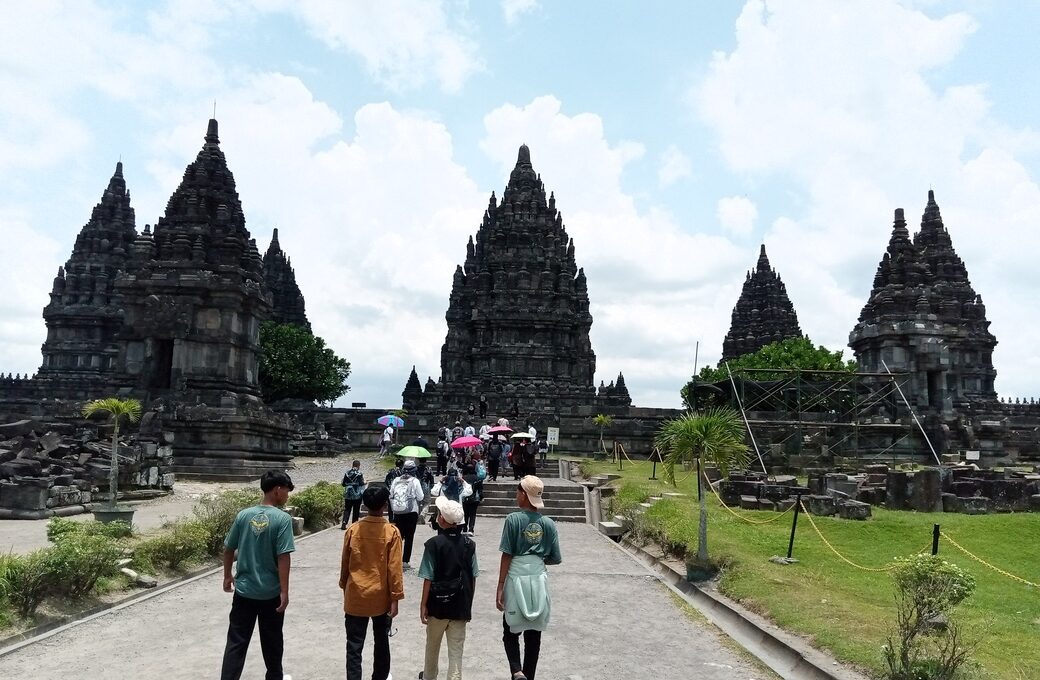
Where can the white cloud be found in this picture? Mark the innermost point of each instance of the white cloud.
(737, 215)
(851, 117)
(403, 43)
(674, 165)
(514, 9)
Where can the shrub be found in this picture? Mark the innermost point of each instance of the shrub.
(183, 541)
(78, 561)
(59, 527)
(28, 579)
(320, 505)
(929, 644)
(216, 513)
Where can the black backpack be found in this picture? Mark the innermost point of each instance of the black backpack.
(451, 590)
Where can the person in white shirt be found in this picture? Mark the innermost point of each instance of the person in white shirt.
(532, 431)
(469, 431)
(386, 440)
(484, 429)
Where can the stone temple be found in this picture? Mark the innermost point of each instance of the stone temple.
(169, 316)
(924, 318)
(287, 301)
(518, 314)
(763, 313)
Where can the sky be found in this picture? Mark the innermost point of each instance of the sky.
(677, 137)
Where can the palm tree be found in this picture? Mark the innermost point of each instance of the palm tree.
(602, 421)
(715, 436)
(116, 408)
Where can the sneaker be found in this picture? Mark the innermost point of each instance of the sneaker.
(342, 527)
(404, 567)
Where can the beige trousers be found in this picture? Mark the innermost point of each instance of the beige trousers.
(456, 633)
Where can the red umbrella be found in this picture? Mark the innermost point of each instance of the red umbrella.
(499, 429)
(465, 442)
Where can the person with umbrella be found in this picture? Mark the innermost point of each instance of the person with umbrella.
(386, 440)
(523, 455)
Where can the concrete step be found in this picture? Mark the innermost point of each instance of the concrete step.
(551, 504)
(502, 511)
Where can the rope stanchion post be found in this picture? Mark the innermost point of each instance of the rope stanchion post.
(935, 539)
(794, 525)
(653, 473)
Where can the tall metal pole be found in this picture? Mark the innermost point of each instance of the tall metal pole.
(935, 539)
(914, 414)
(740, 404)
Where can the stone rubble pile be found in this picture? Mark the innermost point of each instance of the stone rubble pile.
(60, 469)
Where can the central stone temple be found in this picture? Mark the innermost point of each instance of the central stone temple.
(518, 315)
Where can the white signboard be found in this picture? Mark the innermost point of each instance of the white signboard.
(552, 436)
(971, 455)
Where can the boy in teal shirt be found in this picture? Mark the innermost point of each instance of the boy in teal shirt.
(529, 542)
(262, 540)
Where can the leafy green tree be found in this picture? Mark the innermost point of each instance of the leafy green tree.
(117, 409)
(295, 364)
(787, 354)
(714, 436)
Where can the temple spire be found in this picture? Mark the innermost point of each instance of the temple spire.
(763, 313)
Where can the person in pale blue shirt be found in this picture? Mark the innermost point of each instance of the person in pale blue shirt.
(529, 542)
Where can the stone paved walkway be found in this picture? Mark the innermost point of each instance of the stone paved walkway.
(611, 620)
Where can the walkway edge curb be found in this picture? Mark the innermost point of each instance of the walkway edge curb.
(48, 630)
(779, 655)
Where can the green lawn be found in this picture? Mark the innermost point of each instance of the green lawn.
(846, 610)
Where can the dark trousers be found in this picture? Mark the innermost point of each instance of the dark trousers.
(351, 508)
(405, 522)
(483, 410)
(493, 462)
(357, 628)
(532, 645)
(442, 465)
(470, 511)
(243, 618)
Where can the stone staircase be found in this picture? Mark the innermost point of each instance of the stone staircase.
(564, 500)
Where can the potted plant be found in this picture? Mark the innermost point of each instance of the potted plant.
(117, 409)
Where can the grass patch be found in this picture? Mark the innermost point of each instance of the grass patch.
(845, 610)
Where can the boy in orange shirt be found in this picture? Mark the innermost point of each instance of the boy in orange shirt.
(372, 582)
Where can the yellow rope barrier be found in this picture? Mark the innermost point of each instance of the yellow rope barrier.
(835, 551)
(734, 513)
(983, 562)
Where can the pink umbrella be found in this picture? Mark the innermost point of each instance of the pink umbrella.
(499, 429)
(465, 442)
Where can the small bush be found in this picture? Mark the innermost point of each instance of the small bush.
(59, 527)
(77, 561)
(28, 580)
(216, 513)
(182, 542)
(320, 505)
(928, 644)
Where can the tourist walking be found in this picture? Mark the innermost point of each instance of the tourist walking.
(372, 583)
(483, 406)
(353, 486)
(543, 450)
(449, 572)
(442, 455)
(468, 431)
(391, 475)
(471, 503)
(386, 440)
(406, 498)
(261, 539)
(494, 457)
(529, 543)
